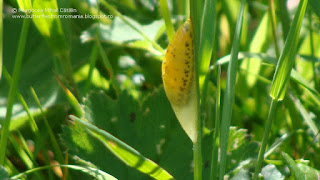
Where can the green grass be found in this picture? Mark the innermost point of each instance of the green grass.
(97, 107)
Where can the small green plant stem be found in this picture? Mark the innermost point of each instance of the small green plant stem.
(271, 116)
(167, 19)
(197, 160)
(13, 89)
(215, 146)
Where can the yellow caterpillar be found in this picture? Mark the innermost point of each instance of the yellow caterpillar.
(178, 75)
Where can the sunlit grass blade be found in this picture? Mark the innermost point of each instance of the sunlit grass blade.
(96, 173)
(125, 153)
(207, 38)
(229, 93)
(167, 18)
(13, 89)
(286, 59)
(259, 41)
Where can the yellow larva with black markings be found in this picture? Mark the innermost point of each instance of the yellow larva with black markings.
(178, 75)
(177, 67)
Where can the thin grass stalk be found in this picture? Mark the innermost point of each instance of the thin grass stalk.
(13, 89)
(215, 147)
(229, 93)
(273, 25)
(33, 124)
(195, 12)
(56, 149)
(167, 19)
(271, 116)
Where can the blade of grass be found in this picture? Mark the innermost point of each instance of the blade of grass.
(280, 78)
(33, 124)
(124, 152)
(214, 156)
(229, 93)
(114, 11)
(71, 98)
(267, 127)
(257, 44)
(207, 39)
(286, 59)
(13, 89)
(196, 13)
(24, 156)
(96, 173)
(167, 19)
(55, 145)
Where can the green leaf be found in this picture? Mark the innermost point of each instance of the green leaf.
(286, 59)
(270, 172)
(301, 171)
(3, 173)
(127, 154)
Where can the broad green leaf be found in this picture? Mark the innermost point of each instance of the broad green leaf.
(120, 33)
(242, 174)
(142, 126)
(258, 44)
(270, 172)
(301, 171)
(3, 173)
(49, 26)
(286, 59)
(127, 154)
